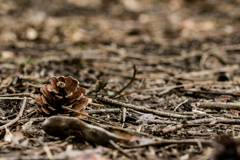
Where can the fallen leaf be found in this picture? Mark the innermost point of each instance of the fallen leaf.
(61, 126)
(8, 135)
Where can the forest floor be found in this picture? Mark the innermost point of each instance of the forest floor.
(162, 74)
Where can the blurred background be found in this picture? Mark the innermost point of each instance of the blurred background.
(115, 31)
(40, 24)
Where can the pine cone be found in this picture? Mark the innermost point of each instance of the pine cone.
(63, 91)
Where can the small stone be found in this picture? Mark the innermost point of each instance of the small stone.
(7, 54)
(31, 34)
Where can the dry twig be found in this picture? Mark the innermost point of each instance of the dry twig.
(139, 108)
(219, 105)
(105, 110)
(180, 104)
(132, 80)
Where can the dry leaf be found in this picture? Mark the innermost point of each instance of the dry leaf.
(68, 126)
(65, 126)
(8, 135)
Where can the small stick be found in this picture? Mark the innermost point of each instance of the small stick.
(123, 117)
(219, 120)
(18, 117)
(135, 90)
(48, 152)
(9, 117)
(219, 105)
(157, 121)
(14, 98)
(35, 120)
(105, 110)
(160, 68)
(165, 91)
(96, 104)
(139, 108)
(33, 85)
(30, 114)
(180, 105)
(131, 81)
(119, 148)
(15, 94)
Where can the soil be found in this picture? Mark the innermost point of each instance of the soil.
(178, 56)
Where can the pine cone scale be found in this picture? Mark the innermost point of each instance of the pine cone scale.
(76, 95)
(71, 84)
(61, 79)
(81, 104)
(38, 100)
(44, 100)
(53, 82)
(50, 88)
(46, 93)
(45, 110)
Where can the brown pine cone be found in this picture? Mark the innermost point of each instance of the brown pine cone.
(63, 91)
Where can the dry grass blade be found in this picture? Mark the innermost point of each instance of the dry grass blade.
(131, 81)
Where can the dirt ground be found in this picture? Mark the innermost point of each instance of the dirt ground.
(164, 75)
